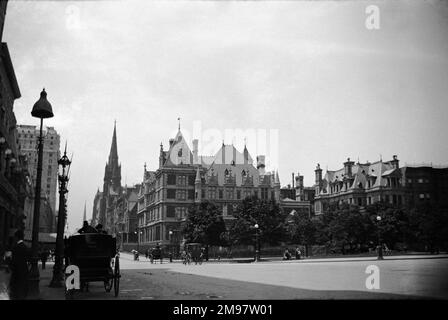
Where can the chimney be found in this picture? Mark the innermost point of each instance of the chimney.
(348, 167)
(195, 151)
(261, 165)
(318, 173)
(395, 162)
(293, 180)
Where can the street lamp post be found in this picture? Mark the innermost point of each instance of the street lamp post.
(380, 245)
(42, 109)
(257, 243)
(171, 245)
(58, 275)
(138, 240)
(138, 233)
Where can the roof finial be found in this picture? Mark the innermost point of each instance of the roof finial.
(178, 119)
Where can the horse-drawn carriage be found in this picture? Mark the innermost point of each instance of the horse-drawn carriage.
(96, 256)
(193, 253)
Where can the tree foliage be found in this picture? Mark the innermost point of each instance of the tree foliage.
(204, 224)
(267, 214)
(301, 228)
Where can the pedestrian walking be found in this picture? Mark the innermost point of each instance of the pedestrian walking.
(18, 284)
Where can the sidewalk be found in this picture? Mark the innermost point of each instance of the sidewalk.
(46, 293)
(4, 280)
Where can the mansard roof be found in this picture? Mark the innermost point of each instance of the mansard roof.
(361, 173)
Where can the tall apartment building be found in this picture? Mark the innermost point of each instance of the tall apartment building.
(27, 139)
(425, 184)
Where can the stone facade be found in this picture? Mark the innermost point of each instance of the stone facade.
(15, 184)
(27, 138)
(359, 184)
(425, 184)
(183, 178)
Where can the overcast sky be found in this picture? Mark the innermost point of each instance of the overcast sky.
(311, 70)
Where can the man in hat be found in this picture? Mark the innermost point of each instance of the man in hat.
(99, 229)
(18, 282)
(86, 228)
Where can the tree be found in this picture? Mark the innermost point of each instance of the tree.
(268, 216)
(394, 224)
(428, 226)
(302, 229)
(204, 224)
(345, 225)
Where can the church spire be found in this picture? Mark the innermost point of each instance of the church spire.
(113, 166)
(113, 155)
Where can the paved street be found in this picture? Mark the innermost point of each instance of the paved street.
(404, 278)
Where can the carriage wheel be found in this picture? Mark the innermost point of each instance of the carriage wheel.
(117, 276)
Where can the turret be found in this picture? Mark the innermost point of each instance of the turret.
(246, 155)
(161, 156)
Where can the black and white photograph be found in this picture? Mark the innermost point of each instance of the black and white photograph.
(223, 155)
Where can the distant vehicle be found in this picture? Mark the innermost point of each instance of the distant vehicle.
(194, 249)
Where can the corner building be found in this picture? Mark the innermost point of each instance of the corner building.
(359, 184)
(184, 178)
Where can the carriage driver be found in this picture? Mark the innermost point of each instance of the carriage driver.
(86, 228)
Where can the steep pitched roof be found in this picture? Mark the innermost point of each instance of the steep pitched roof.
(179, 152)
